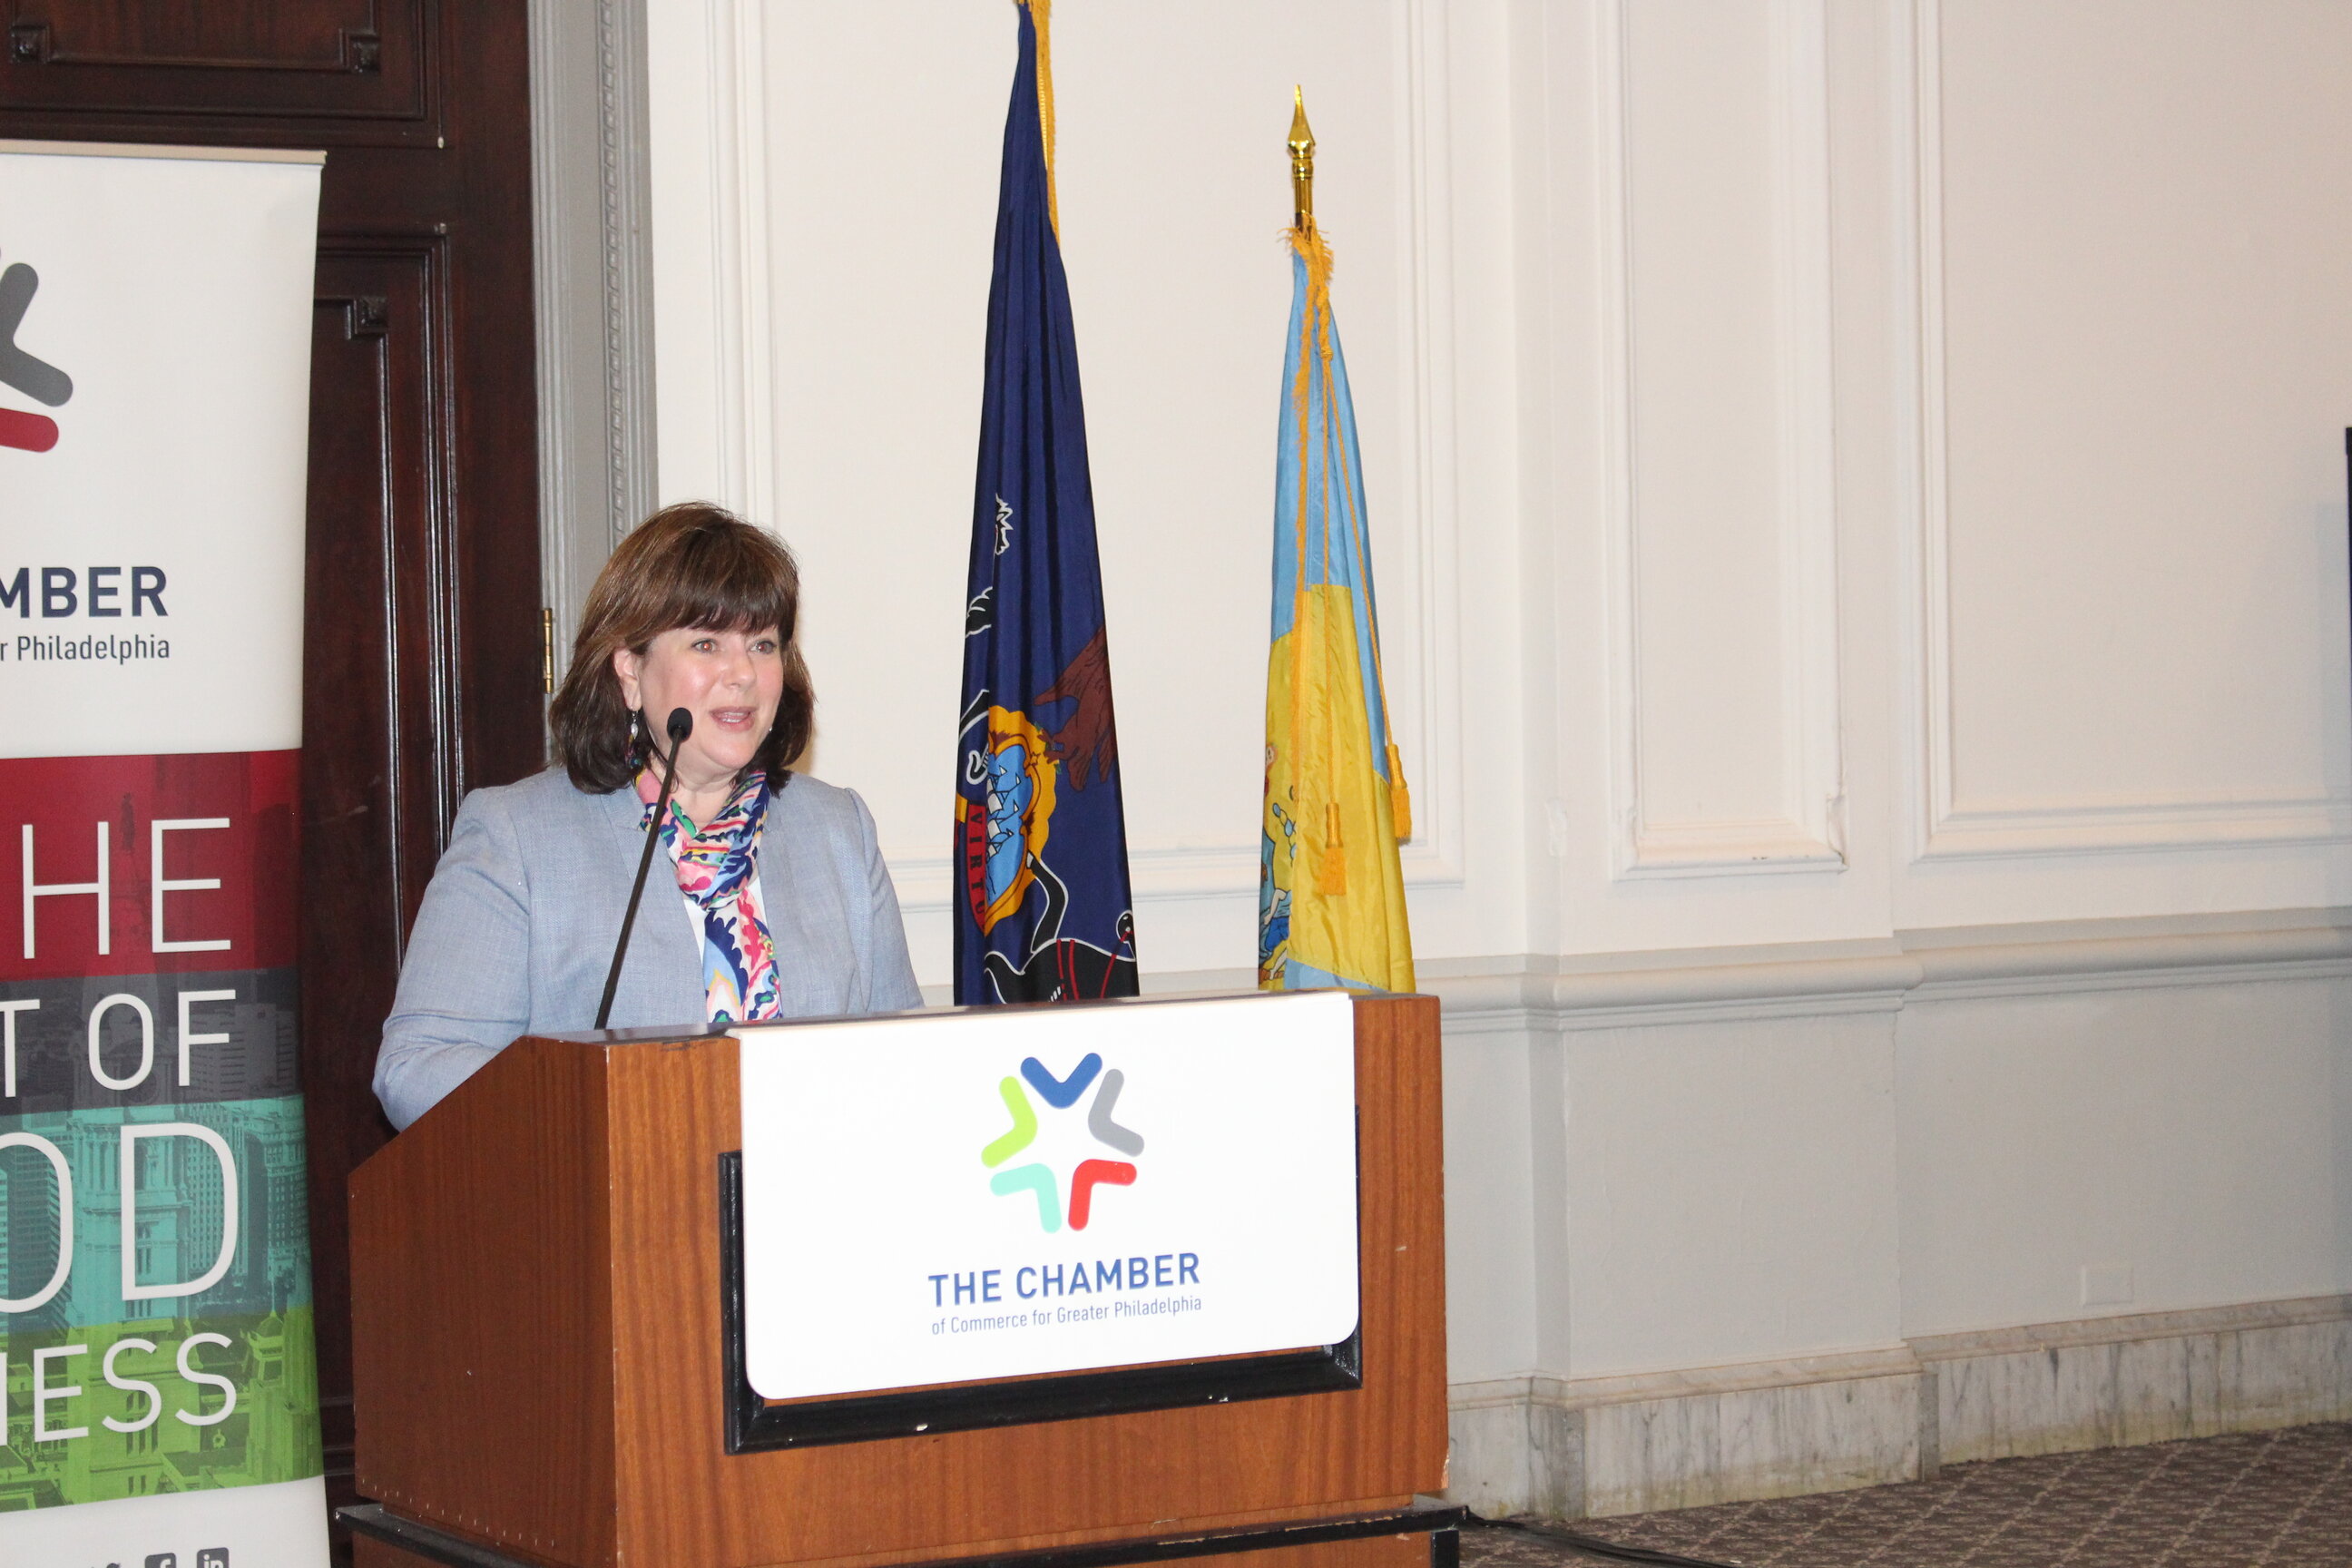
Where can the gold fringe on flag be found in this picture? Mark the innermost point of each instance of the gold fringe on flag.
(1041, 14)
(1315, 359)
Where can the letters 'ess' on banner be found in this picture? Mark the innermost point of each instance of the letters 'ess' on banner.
(157, 1391)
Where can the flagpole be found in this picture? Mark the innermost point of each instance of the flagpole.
(1331, 906)
(1302, 162)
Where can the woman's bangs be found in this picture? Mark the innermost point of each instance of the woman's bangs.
(738, 593)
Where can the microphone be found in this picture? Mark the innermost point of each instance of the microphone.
(681, 725)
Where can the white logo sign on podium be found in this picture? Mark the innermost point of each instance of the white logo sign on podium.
(945, 1198)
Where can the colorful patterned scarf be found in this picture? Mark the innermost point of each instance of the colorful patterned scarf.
(718, 867)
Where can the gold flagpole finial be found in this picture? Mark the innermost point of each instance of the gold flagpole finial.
(1302, 162)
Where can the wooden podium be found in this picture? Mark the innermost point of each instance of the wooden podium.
(541, 1363)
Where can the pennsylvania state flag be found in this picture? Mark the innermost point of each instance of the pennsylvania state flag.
(1040, 840)
(1330, 890)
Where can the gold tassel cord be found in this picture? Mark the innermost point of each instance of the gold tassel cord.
(1400, 797)
(1316, 359)
(1331, 859)
(1308, 244)
(1359, 540)
(1041, 14)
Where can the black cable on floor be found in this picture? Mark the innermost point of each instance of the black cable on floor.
(1594, 1545)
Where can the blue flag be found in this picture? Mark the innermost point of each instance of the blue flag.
(1331, 907)
(1041, 838)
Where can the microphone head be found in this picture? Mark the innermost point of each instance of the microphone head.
(681, 725)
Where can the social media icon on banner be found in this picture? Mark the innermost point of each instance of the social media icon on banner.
(212, 1557)
(163, 1560)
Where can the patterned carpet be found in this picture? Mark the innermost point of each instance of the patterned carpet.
(2268, 1500)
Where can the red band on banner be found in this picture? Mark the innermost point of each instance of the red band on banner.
(227, 818)
(32, 432)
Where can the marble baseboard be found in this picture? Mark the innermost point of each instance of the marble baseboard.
(1512, 1455)
(2152, 1378)
(1589, 1448)
(1570, 1448)
(1695, 1449)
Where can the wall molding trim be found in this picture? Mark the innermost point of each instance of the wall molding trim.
(1424, 239)
(1540, 993)
(2074, 1333)
(1634, 1442)
(593, 290)
(626, 187)
(1517, 993)
(741, 282)
(1683, 1383)
(1962, 962)
(1809, 835)
(1948, 825)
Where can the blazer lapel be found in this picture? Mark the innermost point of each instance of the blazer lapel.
(791, 899)
(661, 982)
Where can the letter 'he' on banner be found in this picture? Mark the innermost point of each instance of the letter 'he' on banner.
(157, 1384)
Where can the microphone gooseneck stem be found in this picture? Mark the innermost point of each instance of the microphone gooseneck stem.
(681, 724)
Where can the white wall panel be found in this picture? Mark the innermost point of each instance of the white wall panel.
(1490, 1220)
(1714, 225)
(2138, 367)
(1731, 1192)
(2195, 1137)
(1686, 293)
(715, 428)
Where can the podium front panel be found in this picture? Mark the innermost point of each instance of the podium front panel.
(972, 1216)
(502, 1318)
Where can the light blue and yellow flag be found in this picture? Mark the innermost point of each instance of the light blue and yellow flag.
(1331, 904)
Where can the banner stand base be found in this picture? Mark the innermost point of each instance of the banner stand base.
(1424, 1533)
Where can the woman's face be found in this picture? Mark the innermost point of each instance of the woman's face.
(731, 682)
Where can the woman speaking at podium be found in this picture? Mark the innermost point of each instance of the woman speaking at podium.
(784, 911)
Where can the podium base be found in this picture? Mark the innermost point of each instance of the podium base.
(1426, 1535)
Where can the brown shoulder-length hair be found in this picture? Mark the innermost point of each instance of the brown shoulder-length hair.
(692, 564)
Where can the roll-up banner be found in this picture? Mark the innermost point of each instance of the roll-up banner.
(158, 1385)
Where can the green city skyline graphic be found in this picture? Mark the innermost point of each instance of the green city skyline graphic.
(260, 1306)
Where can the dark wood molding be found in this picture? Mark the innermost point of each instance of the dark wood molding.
(343, 70)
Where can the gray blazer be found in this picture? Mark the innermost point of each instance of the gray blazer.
(517, 928)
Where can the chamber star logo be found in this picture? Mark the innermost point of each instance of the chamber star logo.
(1037, 1176)
(37, 379)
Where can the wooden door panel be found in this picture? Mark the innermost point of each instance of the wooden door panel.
(376, 788)
(380, 690)
(327, 60)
